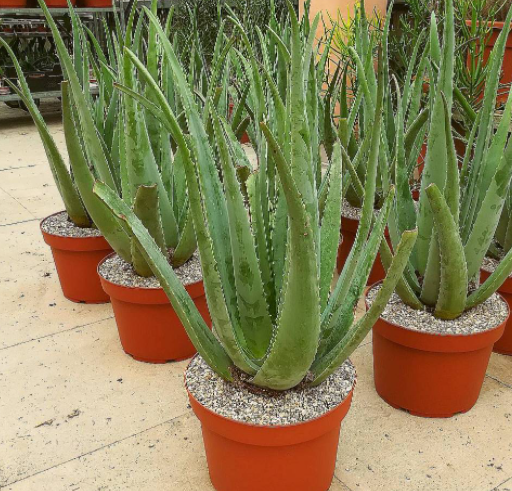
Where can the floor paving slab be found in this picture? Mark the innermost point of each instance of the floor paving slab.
(386, 449)
(11, 210)
(31, 300)
(75, 392)
(505, 486)
(39, 201)
(171, 454)
(500, 368)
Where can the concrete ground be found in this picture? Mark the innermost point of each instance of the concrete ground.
(76, 413)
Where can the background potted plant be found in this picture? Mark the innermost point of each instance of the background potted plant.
(303, 344)
(356, 45)
(432, 343)
(497, 251)
(495, 11)
(77, 245)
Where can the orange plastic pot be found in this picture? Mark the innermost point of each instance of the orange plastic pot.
(149, 328)
(430, 375)
(348, 230)
(12, 4)
(97, 3)
(59, 4)
(245, 137)
(244, 457)
(76, 260)
(504, 344)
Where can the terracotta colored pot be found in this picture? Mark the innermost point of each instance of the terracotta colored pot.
(504, 344)
(506, 74)
(245, 137)
(348, 230)
(430, 375)
(76, 260)
(149, 328)
(12, 4)
(59, 4)
(244, 457)
(97, 3)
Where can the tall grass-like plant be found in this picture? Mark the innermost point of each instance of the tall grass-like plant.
(458, 211)
(276, 320)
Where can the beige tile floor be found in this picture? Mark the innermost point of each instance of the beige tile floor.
(76, 413)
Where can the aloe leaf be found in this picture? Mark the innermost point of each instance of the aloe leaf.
(489, 213)
(436, 159)
(346, 277)
(186, 243)
(492, 283)
(403, 288)
(254, 316)
(343, 315)
(295, 342)
(300, 161)
(94, 148)
(203, 339)
(331, 222)
(141, 164)
(453, 286)
(63, 180)
(145, 207)
(109, 225)
(360, 329)
(452, 189)
(486, 128)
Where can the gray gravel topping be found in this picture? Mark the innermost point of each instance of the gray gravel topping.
(483, 317)
(267, 408)
(489, 264)
(119, 272)
(349, 211)
(61, 225)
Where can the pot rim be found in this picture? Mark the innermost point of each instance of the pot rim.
(302, 424)
(64, 236)
(437, 342)
(437, 336)
(138, 288)
(93, 242)
(507, 282)
(498, 24)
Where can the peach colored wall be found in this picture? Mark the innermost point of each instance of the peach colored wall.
(344, 6)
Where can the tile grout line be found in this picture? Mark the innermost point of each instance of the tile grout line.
(501, 483)
(86, 454)
(56, 333)
(22, 221)
(30, 166)
(17, 201)
(341, 482)
(499, 381)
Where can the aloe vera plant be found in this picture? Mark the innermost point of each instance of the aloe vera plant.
(458, 211)
(274, 317)
(113, 138)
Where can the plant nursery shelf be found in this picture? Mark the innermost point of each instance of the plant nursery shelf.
(59, 11)
(78, 10)
(38, 95)
(25, 34)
